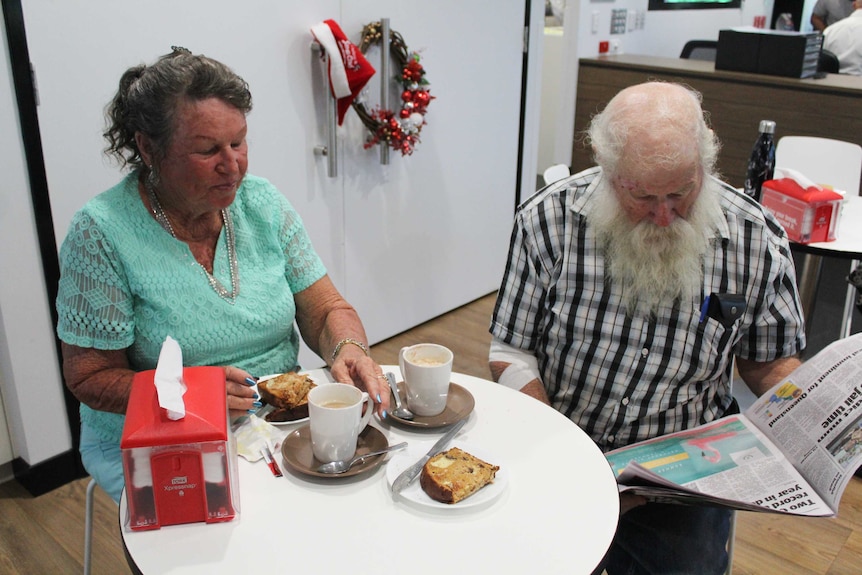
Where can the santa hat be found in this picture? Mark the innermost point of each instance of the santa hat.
(349, 71)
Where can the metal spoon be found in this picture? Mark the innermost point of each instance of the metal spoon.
(400, 412)
(342, 466)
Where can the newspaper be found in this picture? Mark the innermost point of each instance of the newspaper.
(793, 451)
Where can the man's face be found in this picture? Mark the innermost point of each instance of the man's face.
(654, 232)
(659, 194)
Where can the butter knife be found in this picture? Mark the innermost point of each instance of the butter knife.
(408, 475)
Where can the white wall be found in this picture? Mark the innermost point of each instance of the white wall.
(30, 383)
(664, 32)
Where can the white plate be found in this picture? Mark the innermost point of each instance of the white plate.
(267, 408)
(413, 492)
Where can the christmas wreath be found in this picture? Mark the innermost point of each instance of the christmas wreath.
(399, 130)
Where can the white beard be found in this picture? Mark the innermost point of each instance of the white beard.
(654, 265)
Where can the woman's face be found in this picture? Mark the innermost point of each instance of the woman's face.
(207, 158)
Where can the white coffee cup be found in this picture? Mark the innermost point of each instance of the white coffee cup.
(336, 420)
(427, 370)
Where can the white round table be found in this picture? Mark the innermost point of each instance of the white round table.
(847, 245)
(557, 514)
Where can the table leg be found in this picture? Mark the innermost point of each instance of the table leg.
(809, 279)
(849, 304)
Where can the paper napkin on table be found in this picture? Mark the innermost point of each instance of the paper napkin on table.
(170, 386)
(253, 434)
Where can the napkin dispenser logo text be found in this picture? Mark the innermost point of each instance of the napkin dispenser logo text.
(180, 483)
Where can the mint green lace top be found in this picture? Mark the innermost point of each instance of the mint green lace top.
(126, 283)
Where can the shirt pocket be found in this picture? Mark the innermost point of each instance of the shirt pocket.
(711, 347)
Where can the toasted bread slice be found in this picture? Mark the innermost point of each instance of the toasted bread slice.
(454, 475)
(287, 394)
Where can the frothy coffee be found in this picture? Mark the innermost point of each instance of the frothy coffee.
(426, 361)
(335, 404)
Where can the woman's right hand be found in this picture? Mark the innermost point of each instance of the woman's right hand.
(241, 397)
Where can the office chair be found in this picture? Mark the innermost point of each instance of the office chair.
(825, 161)
(827, 62)
(700, 50)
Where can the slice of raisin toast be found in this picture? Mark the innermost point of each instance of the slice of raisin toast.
(287, 394)
(454, 475)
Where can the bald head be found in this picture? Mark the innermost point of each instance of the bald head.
(655, 203)
(652, 126)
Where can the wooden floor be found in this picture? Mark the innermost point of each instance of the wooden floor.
(45, 535)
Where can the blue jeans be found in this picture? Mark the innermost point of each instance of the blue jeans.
(667, 539)
(103, 460)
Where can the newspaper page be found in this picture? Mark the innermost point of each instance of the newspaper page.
(728, 462)
(793, 451)
(815, 415)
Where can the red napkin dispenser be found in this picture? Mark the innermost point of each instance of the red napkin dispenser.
(182, 471)
(807, 214)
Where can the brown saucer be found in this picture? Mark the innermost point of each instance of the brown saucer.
(459, 404)
(297, 453)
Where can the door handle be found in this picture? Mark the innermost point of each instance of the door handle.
(330, 150)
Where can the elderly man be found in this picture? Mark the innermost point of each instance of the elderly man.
(599, 311)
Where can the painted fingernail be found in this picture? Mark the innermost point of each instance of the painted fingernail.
(384, 414)
(250, 381)
(256, 396)
(251, 411)
(257, 404)
(378, 398)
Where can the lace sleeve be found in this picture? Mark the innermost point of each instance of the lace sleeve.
(304, 266)
(94, 306)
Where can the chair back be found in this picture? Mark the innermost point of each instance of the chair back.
(828, 62)
(700, 50)
(822, 160)
(555, 173)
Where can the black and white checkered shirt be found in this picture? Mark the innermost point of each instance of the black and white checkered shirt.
(624, 379)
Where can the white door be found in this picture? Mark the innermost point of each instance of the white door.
(404, 242)
(429, 232)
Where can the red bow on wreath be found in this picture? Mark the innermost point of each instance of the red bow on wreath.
(398, 130)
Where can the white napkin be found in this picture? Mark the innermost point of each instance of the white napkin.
(797, 177)
(170, 386)
(802, 180)
(253, 434)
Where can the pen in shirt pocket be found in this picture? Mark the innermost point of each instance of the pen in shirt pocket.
(703, 308)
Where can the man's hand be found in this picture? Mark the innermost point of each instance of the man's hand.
(629, 502)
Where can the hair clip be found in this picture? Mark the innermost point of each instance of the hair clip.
(180, 50)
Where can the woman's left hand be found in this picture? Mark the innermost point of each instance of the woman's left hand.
(363, 372)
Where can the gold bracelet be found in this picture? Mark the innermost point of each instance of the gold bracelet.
(351, 341)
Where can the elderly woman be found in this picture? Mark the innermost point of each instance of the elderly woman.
(189, 245)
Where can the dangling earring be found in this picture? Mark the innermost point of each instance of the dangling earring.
(152, 180)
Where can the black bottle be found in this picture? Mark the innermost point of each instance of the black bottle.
(761, 164)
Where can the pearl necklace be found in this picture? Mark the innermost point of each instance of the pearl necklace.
(162, 218)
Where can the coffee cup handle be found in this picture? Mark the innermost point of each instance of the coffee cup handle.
(401, 361)
(369, 411)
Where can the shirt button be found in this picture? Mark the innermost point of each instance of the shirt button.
(625, 401)
(610, 438)
(644, 352)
